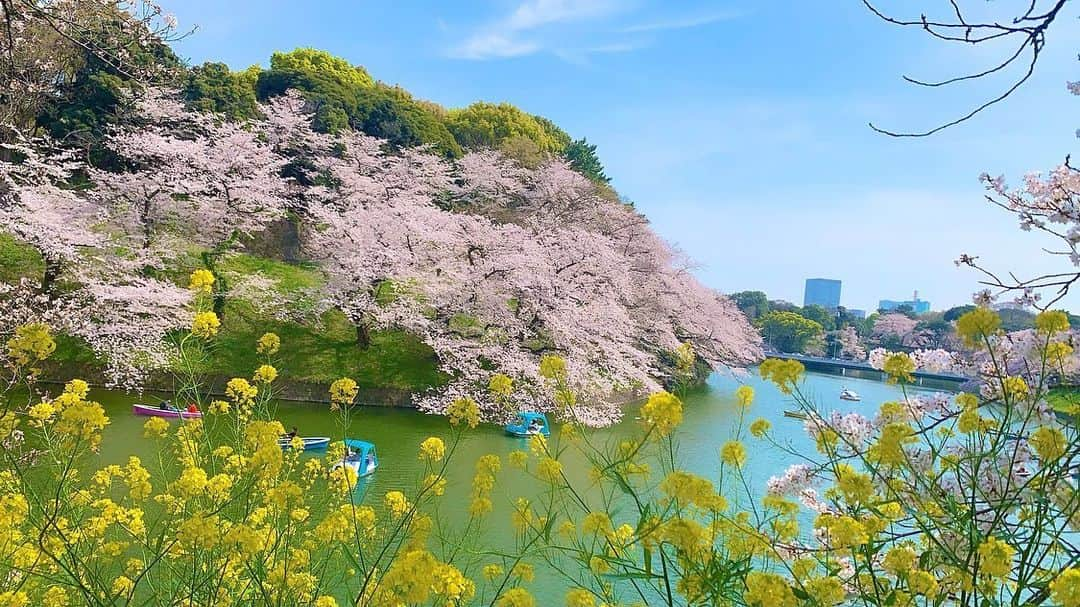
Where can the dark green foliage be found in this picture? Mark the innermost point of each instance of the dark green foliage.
(953, 313)
(95, 97)
(1015, 319)
(819, 315)
(381, 111)
(213, 87)
(582, 156)
(752, 303)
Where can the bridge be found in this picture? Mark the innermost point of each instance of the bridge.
(833, 364)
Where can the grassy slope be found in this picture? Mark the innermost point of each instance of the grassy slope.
(1064, 399)
(317, 352)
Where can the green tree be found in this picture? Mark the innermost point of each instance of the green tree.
(214, 87)
(788, 331)
(952, 314)
(752, 303)
(820, 315)
(380, 110)
(1015, 319)
(582, 156)
(322, 63)
(486, 125)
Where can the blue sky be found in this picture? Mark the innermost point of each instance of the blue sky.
(738, 128)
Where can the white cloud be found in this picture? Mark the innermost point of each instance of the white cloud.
(682, 22)
(493, 45)
(518, 34)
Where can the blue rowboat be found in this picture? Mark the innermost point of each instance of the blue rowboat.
(310, 442)
(528, 424)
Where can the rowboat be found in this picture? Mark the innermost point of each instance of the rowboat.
(310, 442)
(163, 412)
(359, 456)
(528, 424)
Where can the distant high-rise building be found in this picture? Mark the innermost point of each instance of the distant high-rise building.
(822, 292)
(917, 305)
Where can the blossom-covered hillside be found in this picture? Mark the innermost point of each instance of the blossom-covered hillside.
(490, 262)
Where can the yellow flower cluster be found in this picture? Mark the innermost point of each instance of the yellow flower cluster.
(687, 489)
(1065, 589)
(31, 343)
(501, 385)
(342, 393)
(483, 482)
(744, 395)
(241, 391)
(1051, 322)
(268, 344)
(432, 449)
(1049, 443)
(977, 326)
(899, 366)
(768, 590)
(201, 281)
(265, 374)
(205, 325)
(784, 373)
(662, 413)
(553, 367)
(733, 453)
(760, 427)
(995, 557)
(464, 410)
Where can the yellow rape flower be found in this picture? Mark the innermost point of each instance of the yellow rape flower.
(760, 427)
(977, 325)
(744, 395)
(201, 281)
(155, 427)
(733, 453)
(501, 385)
(31, 343)
(784, 373)
(1049, 443)
(122, 586)
(1051, 322)
(240, 391)
(662, 412)
(432, 449)
(396, 503)
(493, 572)
(553, 367)
(268, 344)
(518, 459)
(326, 601)
(265, 374)
(899, 366)
(516, 597)
(464, 410)
(768, 590)
(579, 597)
(343, 393)
(205, 324)
(826, 591)
(996, 557)
(55, 596)
(1065, 589)
(549, 469)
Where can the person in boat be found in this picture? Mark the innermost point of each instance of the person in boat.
(192, 408)
(291, 434)
(168, 405)
(369, 461)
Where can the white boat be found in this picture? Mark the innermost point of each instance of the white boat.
(847, 394)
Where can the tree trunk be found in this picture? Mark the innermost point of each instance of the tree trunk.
(363, 335)
(51, 275)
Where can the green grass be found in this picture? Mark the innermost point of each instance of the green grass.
(324, 352)
(289, 277)
(1064, 399)
(18, 260)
